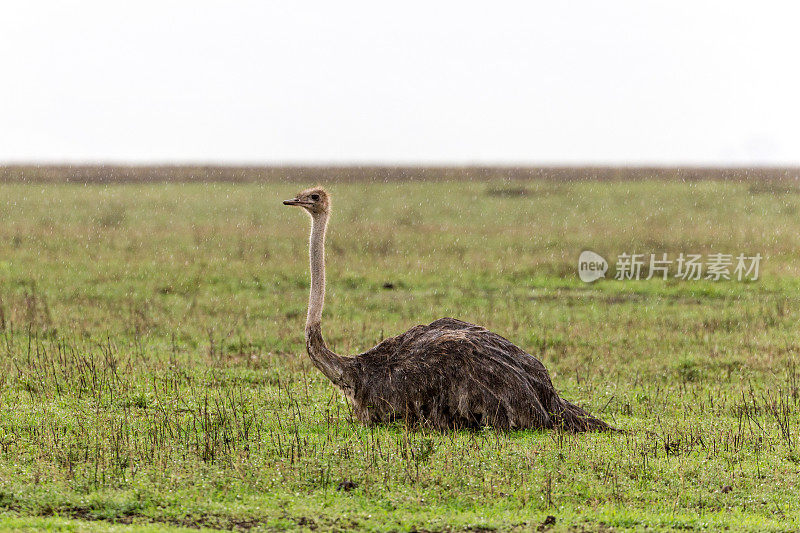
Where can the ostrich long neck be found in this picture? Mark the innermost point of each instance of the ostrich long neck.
(331, 364)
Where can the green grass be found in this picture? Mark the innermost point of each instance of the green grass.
(153, 375)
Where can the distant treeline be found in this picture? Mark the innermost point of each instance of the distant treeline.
(308, 174)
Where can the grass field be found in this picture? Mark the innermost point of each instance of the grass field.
(153, 374)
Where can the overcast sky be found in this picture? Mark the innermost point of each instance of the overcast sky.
(673, 82)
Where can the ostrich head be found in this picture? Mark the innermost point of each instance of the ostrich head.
(314, 200)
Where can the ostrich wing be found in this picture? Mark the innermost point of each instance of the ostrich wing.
(451, 374)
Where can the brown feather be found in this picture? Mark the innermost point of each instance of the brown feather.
(452, 375)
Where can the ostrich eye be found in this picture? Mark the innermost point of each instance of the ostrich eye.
(315, 197)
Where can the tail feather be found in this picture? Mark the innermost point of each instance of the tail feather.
(574, 418)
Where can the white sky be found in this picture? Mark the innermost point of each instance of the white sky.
(669, 82)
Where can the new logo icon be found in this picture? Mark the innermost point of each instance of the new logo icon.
(591, 266)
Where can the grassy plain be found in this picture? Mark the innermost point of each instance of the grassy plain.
(153, 375)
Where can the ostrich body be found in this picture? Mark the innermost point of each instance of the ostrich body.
(448, 374)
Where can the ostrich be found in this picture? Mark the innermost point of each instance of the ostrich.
(446, 375)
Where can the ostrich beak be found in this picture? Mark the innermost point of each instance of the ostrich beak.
(293, 201)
